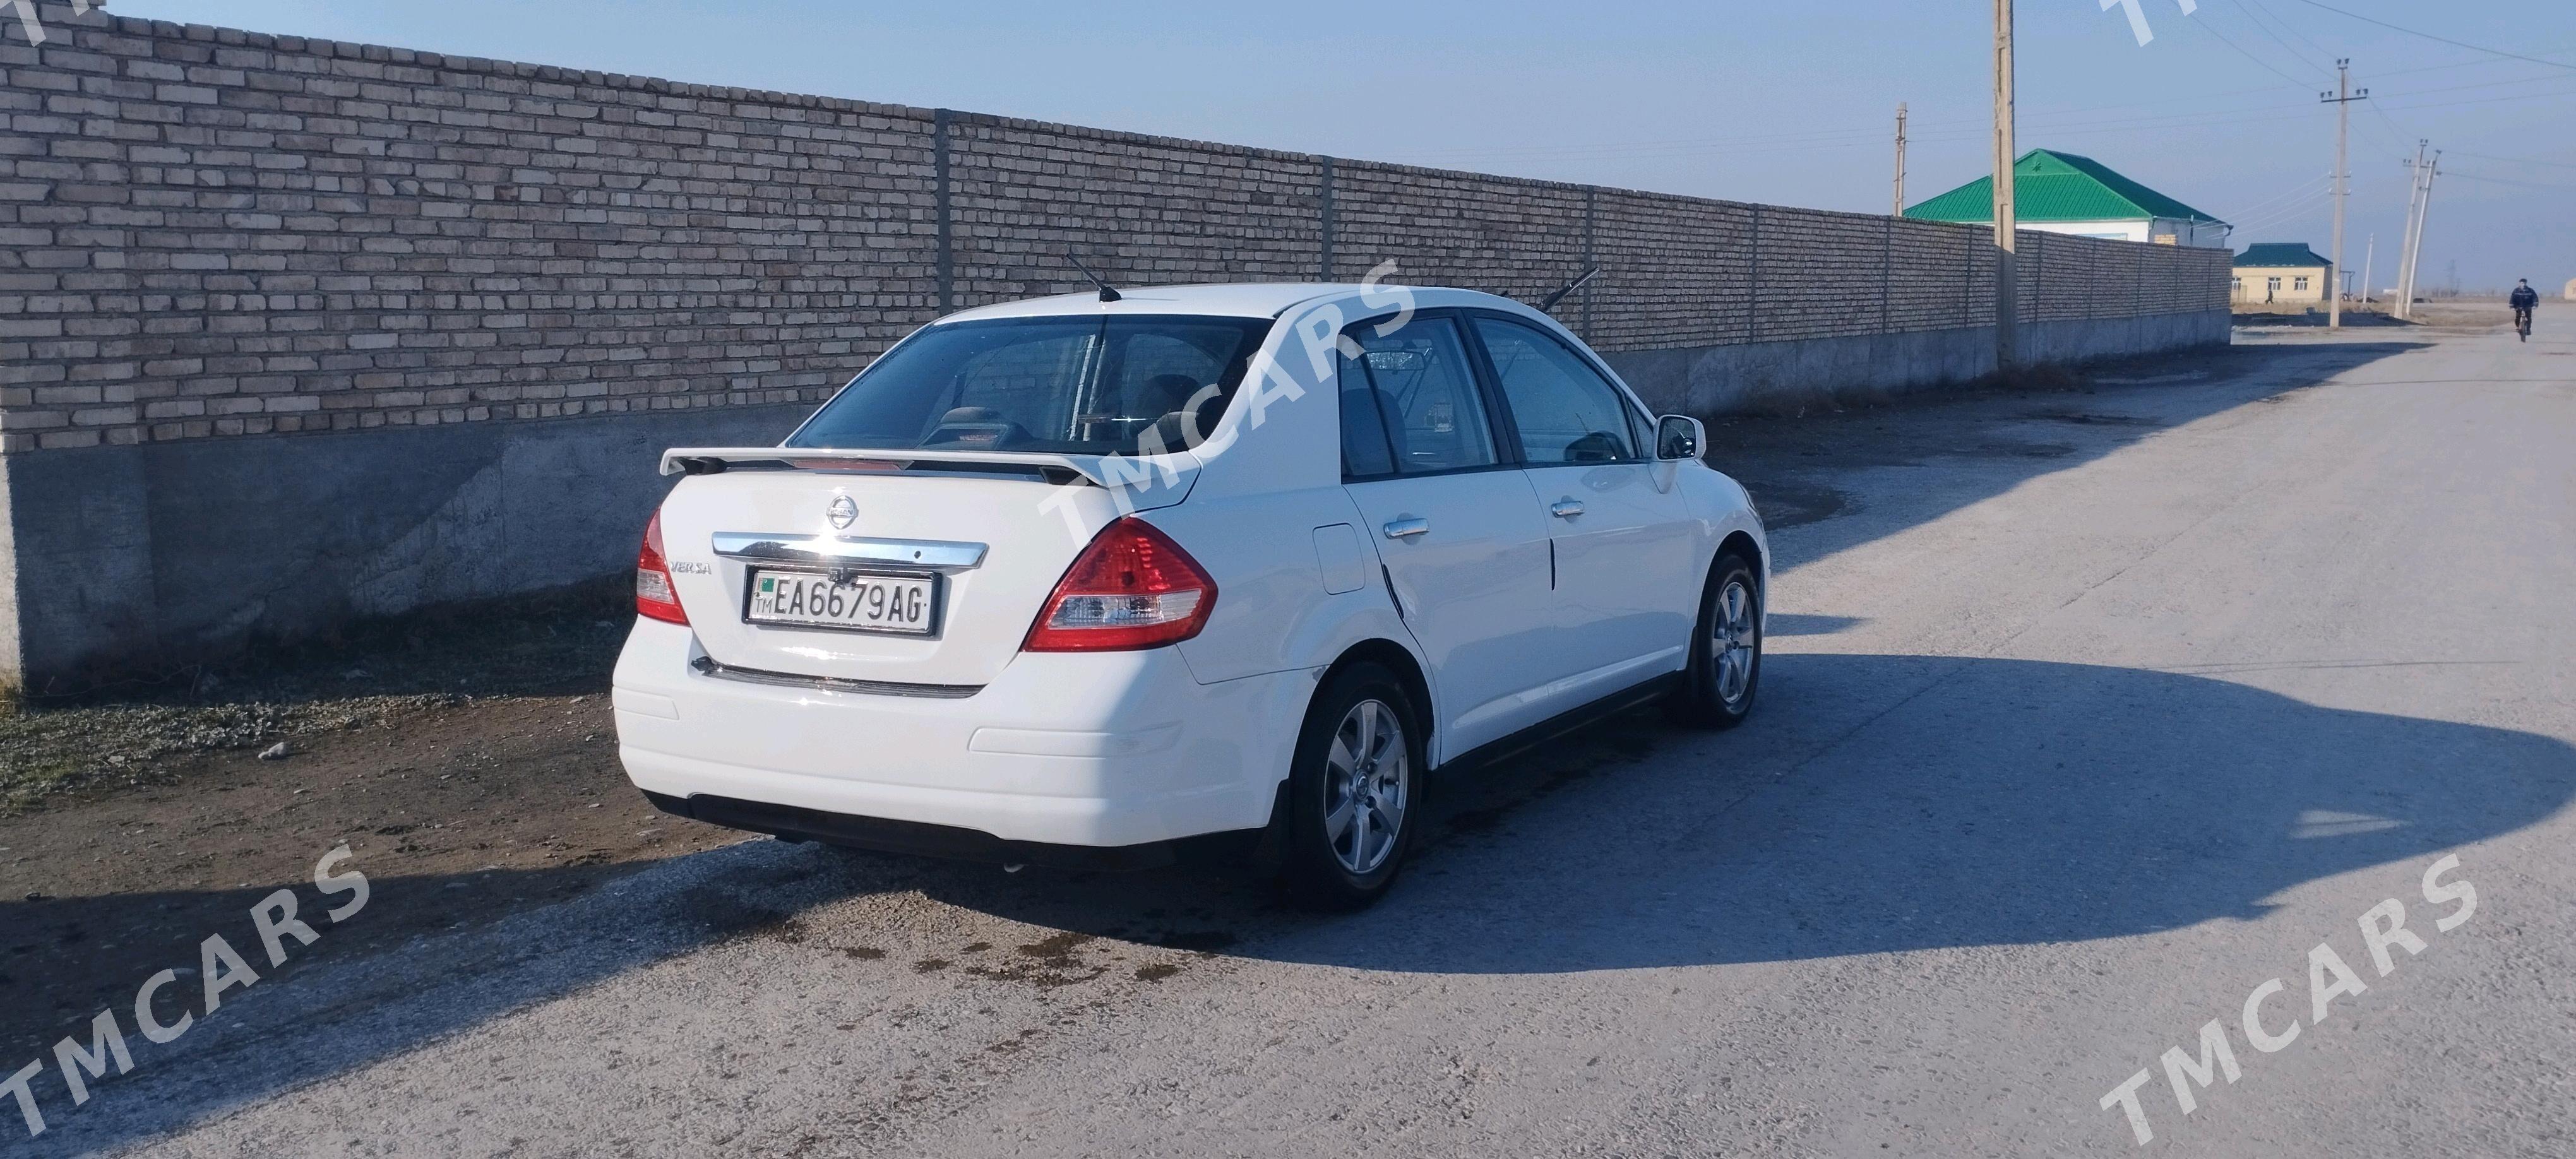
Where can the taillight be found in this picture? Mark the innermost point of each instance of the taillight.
(655, 596)
(1132, 588)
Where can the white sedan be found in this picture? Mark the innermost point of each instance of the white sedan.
(1099, 578)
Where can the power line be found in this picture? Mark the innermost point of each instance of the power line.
(1920, 129)
(2275, 17)
(2252, 14)
(2396, 134)
(2484, 84)
(1917, 133)
(2302, 190)
(2278, 216)
(2463, 63)
(2292, 211)
(2504, 180)
(2212, 29)
(2519, 160)
(2443, 39)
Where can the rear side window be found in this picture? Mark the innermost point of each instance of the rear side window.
(1123, 385)
(1366, 453)
(1410, 404)
(1565, 410)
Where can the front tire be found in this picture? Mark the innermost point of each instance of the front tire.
(1354, 791)
(1725, 668)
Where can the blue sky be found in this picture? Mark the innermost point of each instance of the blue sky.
(1788, 103)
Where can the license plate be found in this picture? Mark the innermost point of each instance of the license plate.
(853, 601)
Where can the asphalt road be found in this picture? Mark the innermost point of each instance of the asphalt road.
(2085, 713)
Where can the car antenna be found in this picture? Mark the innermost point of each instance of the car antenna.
(1549, 302)
(1107, 294)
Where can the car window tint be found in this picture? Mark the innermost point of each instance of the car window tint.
(1157, 377)
(1365, 451)
(1433, 417)
(1566, 412)
(1120, 385)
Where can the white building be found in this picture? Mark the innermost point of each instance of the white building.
(2062, 193)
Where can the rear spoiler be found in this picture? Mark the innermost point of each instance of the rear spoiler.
(1096, 469)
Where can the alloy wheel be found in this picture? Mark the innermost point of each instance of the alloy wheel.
(1368, 780)
(1732, 639)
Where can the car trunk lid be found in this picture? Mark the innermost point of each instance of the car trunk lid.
(990, 532)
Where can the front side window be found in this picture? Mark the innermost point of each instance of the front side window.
(1410, 404)
(1566, 411)
(1097, 386)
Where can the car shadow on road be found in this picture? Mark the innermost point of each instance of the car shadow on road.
(1877, 804)
(1886, 803)
(1800, 469)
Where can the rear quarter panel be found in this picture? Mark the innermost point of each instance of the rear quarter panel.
(1273, 612)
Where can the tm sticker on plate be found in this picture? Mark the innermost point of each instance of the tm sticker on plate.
(868, 603)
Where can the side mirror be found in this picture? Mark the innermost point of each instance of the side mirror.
(1679, 437)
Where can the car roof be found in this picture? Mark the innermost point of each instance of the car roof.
(1232, 300)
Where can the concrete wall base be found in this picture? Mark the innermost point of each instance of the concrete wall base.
(156, 554)
(1762, 376)
(144, 556)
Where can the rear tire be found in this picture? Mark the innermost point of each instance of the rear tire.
(1354, 799)
(1725, 668)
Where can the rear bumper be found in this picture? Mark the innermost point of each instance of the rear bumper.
(920, 840)
(1095, 750)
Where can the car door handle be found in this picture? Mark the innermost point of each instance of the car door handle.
(1565, 509)
(1406, 528)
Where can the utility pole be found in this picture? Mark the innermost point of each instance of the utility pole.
(2405, 304)
(2007, 299)
(2415, 266)
(2432, 170)
(2342, 98)
(2368, 249)
(2428, 169)
(1900, 160)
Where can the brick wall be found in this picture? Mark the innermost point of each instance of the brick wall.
(213, 233)
(293, 332)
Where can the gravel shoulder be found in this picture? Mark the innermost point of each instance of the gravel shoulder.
(475, 757)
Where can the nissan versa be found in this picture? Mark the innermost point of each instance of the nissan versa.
(1073, 580)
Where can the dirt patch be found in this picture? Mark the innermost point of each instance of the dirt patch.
(460, 807)
(137, 732)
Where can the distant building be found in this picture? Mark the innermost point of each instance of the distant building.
(2057, 192)
(2571, 289)
(2280, 273)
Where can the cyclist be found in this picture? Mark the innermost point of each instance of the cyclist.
(2522, 301)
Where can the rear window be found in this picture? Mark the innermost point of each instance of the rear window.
(1115, 385)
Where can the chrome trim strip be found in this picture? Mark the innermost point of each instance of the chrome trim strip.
(707, 666)
(929, 553)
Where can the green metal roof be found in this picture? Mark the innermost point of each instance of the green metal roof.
(2280, 253)
(2053, 186)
